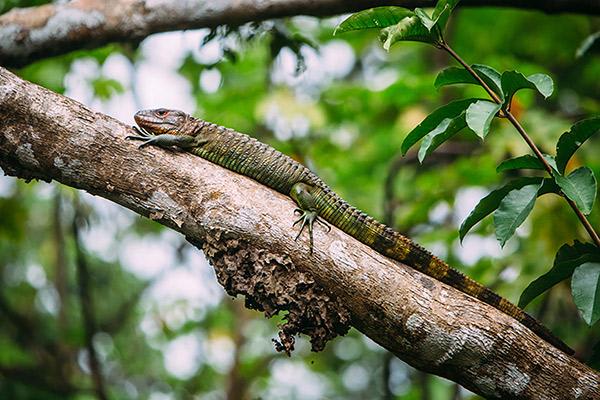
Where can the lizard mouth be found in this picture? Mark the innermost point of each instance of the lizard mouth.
(152, 124)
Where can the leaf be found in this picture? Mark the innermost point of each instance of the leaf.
(378, 17)
(567, 259)
(579, 186)
(442, 12)
(433, 120)
(587, 43)
(456, 75)
(585, 287)
(489, 203)
(444, 131)
(513, 210)
(513, 81)
(409, 29)
(425, 20)
(570, 141)
(479, 116)
(522, 162)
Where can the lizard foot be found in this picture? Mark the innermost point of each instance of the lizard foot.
(308, 218)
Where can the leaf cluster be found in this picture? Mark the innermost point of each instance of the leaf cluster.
(512, 203)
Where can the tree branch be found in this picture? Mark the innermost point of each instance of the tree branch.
(243, 225)
(29, 34)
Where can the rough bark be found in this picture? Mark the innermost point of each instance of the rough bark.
(29, 34)
(245, 231)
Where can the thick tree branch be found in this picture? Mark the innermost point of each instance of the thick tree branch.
(29, 34)
(243, 224)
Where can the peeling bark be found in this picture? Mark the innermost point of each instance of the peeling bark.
(244, 228)
(28, 34)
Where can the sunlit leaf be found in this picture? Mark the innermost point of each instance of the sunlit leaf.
(442, 12)
(409, 29)
(456, 75)
(585, 287)
(479, 116)
(489, 203)
(378, 17)
(567, 259)
(522, 162)
(433, 120)
(579, 186)
(570, 141)
(425, 19)
(587, 44)
(513, 210)
(444, 131)
(513, 81)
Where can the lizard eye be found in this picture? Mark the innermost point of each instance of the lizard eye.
(161, 113)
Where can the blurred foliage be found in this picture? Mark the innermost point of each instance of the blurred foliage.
(345, 123)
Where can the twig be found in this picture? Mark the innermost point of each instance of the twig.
(513, 120)
(87, 309)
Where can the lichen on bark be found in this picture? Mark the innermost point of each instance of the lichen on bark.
(271, 283)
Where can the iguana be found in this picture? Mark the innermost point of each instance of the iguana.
(316, 201)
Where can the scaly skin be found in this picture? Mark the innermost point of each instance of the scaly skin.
(249, 157)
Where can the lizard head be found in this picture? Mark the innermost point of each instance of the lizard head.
(163, 120)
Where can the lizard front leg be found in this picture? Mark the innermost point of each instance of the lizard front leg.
(309, 214)
(164, 140)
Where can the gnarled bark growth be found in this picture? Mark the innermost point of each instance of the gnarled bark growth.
(424, 322)
(29, 34)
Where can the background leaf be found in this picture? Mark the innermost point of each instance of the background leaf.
(570, 141)
(526, 161)
(567, 259)
(378, 17)
(433, 120)
(479, 116)
(587, 43)
(489, 203)
(579, 186)
(513, 210)
(585, 287)
(513, 81)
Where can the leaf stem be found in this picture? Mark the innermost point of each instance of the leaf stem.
(513, 120)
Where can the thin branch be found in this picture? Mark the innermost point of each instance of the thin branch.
(29, 34)
(513, 120)
(426, 323)
(87, 307)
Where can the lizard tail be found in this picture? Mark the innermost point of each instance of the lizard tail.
(392, 244)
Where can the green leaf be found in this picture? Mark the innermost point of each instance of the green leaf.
(570, 141)
(579, 186)
(513, 81)
(379, 17)
(522, 162)
(587, 43)
(409, 29)
(489, 203)
(567, 259)
(444, 131)
(442, 12)
(425, 19)
(585, 287)
(479, 116)
(105, 88)
(456, 75)
(433, 120)
(513, 210)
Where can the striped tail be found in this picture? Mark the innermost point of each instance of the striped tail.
(394, 245)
